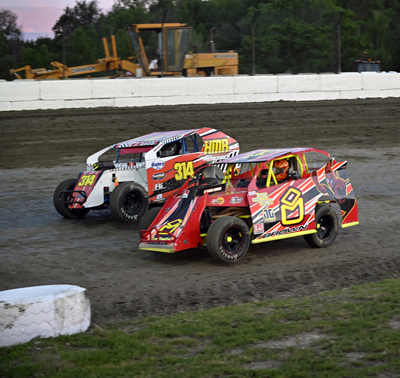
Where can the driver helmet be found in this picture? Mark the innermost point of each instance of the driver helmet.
(281, 168)
(168, 150)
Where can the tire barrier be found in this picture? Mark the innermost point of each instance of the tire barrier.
(44, 311)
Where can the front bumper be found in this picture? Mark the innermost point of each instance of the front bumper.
(167, 248)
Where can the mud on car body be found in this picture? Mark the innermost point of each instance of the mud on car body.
(129, 176)
(266, 195)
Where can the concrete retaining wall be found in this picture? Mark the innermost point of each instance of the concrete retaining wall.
(127, 92)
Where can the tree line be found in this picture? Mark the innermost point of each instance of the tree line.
(289, 36)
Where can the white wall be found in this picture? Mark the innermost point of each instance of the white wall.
(127, 92)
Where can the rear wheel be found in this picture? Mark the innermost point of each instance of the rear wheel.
(228, 239)
(60, 198)
(129, 201)
(148, 218)
(327, 226)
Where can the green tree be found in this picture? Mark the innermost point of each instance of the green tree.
(81, 15)
(80, 49)
(10, 43)
(38, 57)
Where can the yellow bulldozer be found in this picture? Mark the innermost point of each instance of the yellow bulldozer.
(169, 56)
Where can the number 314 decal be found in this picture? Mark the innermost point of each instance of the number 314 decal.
(87, 180)
(291, 202)
(183, 170)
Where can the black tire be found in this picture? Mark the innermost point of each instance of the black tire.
(327, 226)
(129, 201)
(210, 181)
(61, 207)
(148, 218)
(228, 239)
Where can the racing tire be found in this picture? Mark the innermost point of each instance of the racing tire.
(228, 239)
(59, 197)
(129, 201)
(148, 218)
(327, 226)
(210, 181)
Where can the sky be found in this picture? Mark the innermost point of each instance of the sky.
(37, 17)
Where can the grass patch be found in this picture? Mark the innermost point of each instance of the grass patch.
(343, 333)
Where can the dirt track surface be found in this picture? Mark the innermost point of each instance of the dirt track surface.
(39, 149)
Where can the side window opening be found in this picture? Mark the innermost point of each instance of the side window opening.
(172, 149)
(131, 154)
(130, 158)
(295, 170)
(194, 143)
(315, 160)
(108, 156)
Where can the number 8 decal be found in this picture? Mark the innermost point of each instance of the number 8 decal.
(290, 202)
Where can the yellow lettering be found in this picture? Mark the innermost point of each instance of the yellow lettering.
(216, 146)
(225, 145)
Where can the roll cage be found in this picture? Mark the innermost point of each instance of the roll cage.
(256, 171)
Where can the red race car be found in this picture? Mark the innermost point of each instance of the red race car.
(265, 195)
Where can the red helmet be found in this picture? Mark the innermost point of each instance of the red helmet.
(281, 169)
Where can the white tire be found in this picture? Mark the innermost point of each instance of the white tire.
(45, 311)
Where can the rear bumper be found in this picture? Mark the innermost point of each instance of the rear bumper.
(167, 248)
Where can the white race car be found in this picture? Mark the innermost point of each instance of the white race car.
(127, 177)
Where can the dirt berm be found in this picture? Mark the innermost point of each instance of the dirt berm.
(39, 149)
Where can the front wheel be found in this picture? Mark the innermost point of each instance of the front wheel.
(327, 227)
(61, 199)
(129, 201)
(228, 239)
(148, 219)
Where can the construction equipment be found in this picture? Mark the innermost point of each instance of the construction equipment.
(104, 64)
(170, 57)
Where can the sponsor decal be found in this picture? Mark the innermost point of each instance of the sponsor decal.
(218, 201)
(213, 190)
(136, 144)
(123, 166)
(252, 193)
(168, 229)
(158, 176)
(258, 228)
(185, 194)
(216, 146)
(287, 230)
(157, 164)
(262, 199)
(269, 215)
(159, 186)
(159, 196)
(292, 201)
(83, 69)
(225, 56)
(235, 200)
